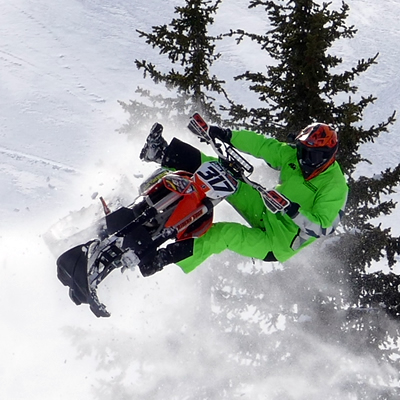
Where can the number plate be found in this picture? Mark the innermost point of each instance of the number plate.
(218, 182)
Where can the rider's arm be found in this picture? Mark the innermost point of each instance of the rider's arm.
(259, 146)
(317, 224)
(326, 213)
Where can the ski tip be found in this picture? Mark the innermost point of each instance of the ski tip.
(99, 310)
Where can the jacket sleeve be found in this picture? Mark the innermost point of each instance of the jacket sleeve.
(259, 146)
(326, 213)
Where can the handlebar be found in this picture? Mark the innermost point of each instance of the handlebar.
(232, 159)
(237, 164)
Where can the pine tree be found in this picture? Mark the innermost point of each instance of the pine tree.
(302, 86)
(191, 51)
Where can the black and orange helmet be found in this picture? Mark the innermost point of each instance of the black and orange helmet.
(317, 145)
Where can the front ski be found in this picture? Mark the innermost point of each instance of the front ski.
(84, 267)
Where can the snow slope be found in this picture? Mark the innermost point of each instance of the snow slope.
(64, 65)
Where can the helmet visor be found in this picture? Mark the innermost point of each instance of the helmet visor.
(312, 157)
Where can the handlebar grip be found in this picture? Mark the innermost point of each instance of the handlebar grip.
(274, 201)
(199, 127)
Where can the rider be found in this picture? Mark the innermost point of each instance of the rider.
(310, 178)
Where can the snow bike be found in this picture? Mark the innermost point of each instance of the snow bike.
(170, 206)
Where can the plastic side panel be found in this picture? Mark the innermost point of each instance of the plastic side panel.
(119, 219)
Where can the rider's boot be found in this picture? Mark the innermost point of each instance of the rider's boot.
(155, 264)
(155, 145)
(173, 253)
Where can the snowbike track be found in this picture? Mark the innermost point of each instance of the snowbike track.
(44, 161)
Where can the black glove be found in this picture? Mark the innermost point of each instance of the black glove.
(224, 135)
(293, 209)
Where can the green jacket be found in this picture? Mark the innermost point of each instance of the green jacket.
(321, 199)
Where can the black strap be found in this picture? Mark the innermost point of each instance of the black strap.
(270, 257)
(180, 250)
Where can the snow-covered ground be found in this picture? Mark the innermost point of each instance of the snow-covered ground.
(64, 64)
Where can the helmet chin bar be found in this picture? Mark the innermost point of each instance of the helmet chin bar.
(310, 172)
